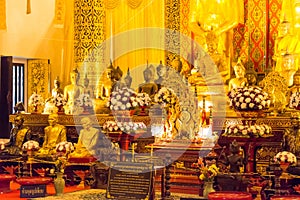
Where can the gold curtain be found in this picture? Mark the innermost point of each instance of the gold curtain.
(123, 19)
(2, 15)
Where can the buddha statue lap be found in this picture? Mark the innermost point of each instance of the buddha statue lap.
(149, 85)
(71, 92)
(88, 137)
(19, 134)
(54, 134)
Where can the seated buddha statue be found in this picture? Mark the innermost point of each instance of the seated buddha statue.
(56, 90)
(19, 134)
(286, 52)
(72, 91)
(149, 86)
(54, 134)
(161, 71)
(87, 89)
(87, 140)
(128, 79)
(240, 80)
(104, 89)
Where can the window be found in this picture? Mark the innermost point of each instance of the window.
(18, 80)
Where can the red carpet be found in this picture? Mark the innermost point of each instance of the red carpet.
(15, 192)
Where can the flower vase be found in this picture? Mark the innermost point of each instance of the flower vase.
(207, 188)
(284, 166)
(59, 184)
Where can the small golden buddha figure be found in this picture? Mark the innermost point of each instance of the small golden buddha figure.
(72, 91)
(128, 79)
(54, 134)
(296, 83)
(87, 140)
(149, 85)
(240, 80)
(251, 76)
(19, 134)
(87, 89)
(104, 89)
(161, 72)
(57, 90)
(286, 52)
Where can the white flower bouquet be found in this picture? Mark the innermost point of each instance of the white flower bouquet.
(143, 99)
(64, 147)
(239, 130)
(295, 101)
(31, 145)
(131, 127)
(127, 127)
(84, 100)
(35, 100)
(123, 99)
(166, 96)
(110, 126)
(285, 157)
(248, 99)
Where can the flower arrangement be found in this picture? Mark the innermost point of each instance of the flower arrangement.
(124, 126)
(64, 147)
(143, 99)
(84, 100)
(285, 157)
(166, 96)
(248, 98)
(255, 130)
(122, 99)
(35, 100)
(31, 145)
(295, 101)
(207, 172)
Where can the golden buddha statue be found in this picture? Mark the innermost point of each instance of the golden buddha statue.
(87, 140)
(161, 72)
(87, 89)
(56, 90)
(149, 85)
(213, 21)
(240, 80)
(72, 91)
(104, 89)
(18, 136)
(54, 134)
(286, 52)
(128, 79)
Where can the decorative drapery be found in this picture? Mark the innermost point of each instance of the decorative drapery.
(59, 17)
(2, 15)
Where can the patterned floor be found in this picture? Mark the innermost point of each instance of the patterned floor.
(98, 194)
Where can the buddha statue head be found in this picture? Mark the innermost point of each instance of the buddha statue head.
(234, 147)
(289, 68)
(74, 76)
(297, 78)
(239, 69)
(149, 73)
(118, 73)
(56, 82)
(177, 64)
(284, 28)
(161, 70)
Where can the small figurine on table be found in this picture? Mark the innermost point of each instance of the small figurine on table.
(234, 160)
